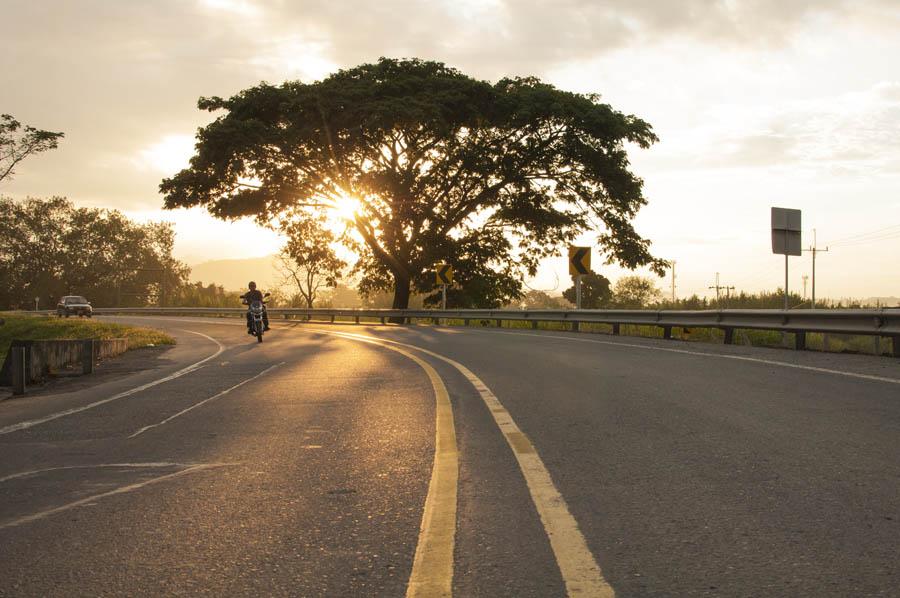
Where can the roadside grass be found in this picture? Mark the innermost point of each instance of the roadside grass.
(29, 327)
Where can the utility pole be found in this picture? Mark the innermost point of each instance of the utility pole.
(814, 250)
(578, 292)
(673, 281)
(719, 287)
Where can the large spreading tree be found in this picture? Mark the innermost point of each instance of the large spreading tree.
(490, 178)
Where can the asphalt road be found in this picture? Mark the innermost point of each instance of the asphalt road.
(306, 466)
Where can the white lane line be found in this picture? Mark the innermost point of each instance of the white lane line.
(706, 354)
(90, 499)
(25, 474)
(577, 566)
(204, 401)
(186, 370)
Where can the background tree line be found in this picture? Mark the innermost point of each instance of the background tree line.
(51, 248)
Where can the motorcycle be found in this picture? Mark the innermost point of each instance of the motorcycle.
(257, 308)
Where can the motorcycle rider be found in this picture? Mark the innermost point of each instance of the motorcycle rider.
(249, 297)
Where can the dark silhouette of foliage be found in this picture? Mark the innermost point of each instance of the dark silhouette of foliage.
(490, 178)
(595, 292)
(51, 248)
(17, 142)
(199, 295)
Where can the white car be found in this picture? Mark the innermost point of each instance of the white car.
(74, 304)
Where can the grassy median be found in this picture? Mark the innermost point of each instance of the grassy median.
(25, 327)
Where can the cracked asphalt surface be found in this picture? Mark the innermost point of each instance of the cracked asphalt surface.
(704, 471)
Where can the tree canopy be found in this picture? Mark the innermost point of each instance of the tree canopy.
(17, 142)
(595, 291)
(636, 292)
(437, 166)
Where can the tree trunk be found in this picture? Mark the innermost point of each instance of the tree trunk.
(401, 296)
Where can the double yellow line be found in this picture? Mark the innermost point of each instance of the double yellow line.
(432, 572)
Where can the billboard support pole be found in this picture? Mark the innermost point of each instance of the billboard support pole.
(785, 282)
(786, 238)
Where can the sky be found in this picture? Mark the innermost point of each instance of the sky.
(757, 103)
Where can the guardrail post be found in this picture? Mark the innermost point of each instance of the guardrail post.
(87, 356)
(575, 326)
(382, 321)
(895, 346)
(800, 341)
(17, 355)
(436, 321)
(667, 332)
(466, 322)
(332, 318)
(617, 329)
(729, 336)
(534, 324)
(356, 319)
(499, 323)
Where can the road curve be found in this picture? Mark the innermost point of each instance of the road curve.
(301, 467)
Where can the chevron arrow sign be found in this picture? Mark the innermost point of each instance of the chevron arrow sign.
(443, 273)
(579, 260)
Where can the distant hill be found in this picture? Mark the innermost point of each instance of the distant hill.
(235, 274)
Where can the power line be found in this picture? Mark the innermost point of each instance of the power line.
(889, 230)
(866, 241)
(555, 286)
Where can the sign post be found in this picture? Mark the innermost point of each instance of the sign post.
(443, 274)
(579, 265)
(578, 292)
(786, 239)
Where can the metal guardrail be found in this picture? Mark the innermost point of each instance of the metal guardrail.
(866, 322)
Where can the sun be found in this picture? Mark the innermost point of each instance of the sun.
(346, 208)
(343, 212)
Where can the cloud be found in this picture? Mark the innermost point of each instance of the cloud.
(118, 76)
(852, 132)
(758, 150)
(532, 36)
